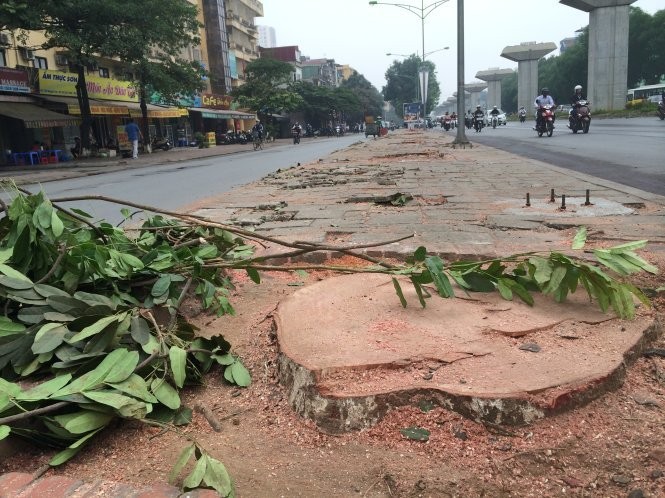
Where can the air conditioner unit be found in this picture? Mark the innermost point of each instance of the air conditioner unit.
(4, 39)
(61, 60)
(27, 54)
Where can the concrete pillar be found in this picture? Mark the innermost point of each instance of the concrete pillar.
(474, 89)
(493, 77)
(527, 55)
(608, 50)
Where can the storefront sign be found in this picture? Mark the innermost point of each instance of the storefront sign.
(13, 80)
(104, 110)
(64, 85)
(159, 113)
(214, 101)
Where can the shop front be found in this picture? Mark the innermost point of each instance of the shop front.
(220, 121)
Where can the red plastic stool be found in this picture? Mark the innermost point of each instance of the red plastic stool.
(43, 159)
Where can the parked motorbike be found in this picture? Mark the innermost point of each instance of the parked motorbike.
(661, 110)
(545, 121)
(161, 143)
(522, 115)
(580, 117)
(478, 124)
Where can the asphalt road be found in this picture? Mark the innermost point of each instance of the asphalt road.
(174, 185)
(627, 151)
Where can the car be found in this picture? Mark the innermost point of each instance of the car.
(501, 117)
(655, 99)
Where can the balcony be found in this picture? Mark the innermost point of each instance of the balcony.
(254, 5)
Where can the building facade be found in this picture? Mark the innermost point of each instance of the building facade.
(267, 38)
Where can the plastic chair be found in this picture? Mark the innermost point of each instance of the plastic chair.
(43, 158)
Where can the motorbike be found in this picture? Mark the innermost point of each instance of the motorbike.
(580, 117)
(495, 121)
(446, 123)
(545, 121)
(161, 143)
(468, 122)
(478, 124)
(522, 115)
(296, 137)
(661, 110)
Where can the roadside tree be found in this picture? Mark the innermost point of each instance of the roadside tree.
(403, 84)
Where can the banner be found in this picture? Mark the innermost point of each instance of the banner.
(64, 85)
(215, 101)
(412, 111)
(13, 80)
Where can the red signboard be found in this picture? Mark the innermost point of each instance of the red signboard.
(13, 80)
(215, 101)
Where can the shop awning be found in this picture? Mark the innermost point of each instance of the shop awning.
(221, 113)
(36, 117)
(157, 111)
(97, 107)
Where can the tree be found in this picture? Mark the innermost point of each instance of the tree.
(370, 100)
(646, 61)
(124, 29)
(561, 73)
(403, 84)
(267, 89)
(151, 46)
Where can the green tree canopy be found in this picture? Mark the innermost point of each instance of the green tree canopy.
(267, 88)
(403, 84)
(369, 99)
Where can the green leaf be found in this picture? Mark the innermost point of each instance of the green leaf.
(240, 374)
(15, 283)
(634, 259)
(162, 286)
(419, 292)
(135, 386)
(420, 254)
(80, 212)
(543, 269)
(628, 246)
(109, 398)
(254, 275)
(42, 215)
(83, 421)
(225, 359)
(435, 266)
(178, 359)
(123, 368)
(15, 274)
(96, 327)
(45, 389)
(479, 281)
(132, 261)
(580, 238)
(165, 393)
(49, 337)
(556, 278)
(57, 227)
(183, 416)
(400, 294)
(184, 457)
(140, 330)
(194, 479)
(72, 450)
(9, 327)
(217, 477)
(504, 289)
(416, 433)
(4, 431)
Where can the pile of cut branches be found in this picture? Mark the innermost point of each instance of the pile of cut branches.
(91, 328)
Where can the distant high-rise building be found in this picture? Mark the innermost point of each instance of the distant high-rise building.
(267, 37)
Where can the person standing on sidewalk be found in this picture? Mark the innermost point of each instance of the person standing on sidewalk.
(133, 135)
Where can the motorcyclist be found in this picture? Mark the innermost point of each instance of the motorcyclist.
(521, 112)
(577, 96)
(543, 99)
(495, 112)
(478, 115)
(296, 129)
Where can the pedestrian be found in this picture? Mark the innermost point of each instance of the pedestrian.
(133, 135)
(76, 150)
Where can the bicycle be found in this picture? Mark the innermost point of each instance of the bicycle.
(257, 143)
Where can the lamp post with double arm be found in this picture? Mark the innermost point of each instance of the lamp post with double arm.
(421, 12)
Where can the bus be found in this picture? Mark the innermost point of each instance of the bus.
(642, 93)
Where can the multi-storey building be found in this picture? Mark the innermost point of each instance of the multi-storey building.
(321, 72)
(242, 34)
(290, 54)
(267, 38)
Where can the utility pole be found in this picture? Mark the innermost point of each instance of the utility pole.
(461, 130)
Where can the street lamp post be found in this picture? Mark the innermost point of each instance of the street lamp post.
(421, 13)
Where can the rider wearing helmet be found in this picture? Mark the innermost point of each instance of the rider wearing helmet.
(543, 99)
(577, 96)
(257, 129)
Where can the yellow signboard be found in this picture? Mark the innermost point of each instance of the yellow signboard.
(104, 110)
(64, 85)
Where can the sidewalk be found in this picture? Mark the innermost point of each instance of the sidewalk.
(460, 203)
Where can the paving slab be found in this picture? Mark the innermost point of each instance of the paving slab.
(350, 352)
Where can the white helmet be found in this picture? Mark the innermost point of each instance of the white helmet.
(495, 107)
(578, 87)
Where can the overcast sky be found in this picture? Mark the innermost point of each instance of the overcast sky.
(355, 33)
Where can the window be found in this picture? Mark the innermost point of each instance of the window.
(3, 58)
(104, 72)
(41, 63)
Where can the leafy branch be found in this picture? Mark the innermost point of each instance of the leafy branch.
(96, 310)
